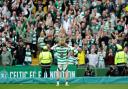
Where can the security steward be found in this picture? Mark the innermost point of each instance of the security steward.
(120, 59)
(45, 59)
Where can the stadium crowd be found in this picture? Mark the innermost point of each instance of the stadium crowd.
(92, 28)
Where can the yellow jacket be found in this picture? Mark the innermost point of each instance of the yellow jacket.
(81, 58)
(45, 9)
(120, 57)
(45, 57)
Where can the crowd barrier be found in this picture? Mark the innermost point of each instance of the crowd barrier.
(32, 74)
(31, 71)
(76, 80)
(35, 71)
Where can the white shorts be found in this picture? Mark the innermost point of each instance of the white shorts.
(62, 67)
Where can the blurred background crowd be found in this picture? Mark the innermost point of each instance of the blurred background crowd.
(91, 27)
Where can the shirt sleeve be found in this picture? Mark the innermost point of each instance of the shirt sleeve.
(40, 57)
(50, 56)
(116, 57)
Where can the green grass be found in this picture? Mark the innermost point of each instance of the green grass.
(72, 86)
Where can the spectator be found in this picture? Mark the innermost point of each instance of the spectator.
(6, 57)
(81, 57)
(66, 23)
(109, 60)
(41, 41)
(40, 12)
(89, 72)
(49, 20)
(93, 59)
(20, 53)
(72, 59)
(125, 71)
(112, 71)
(28, 55)
(34, 41)
(101, 56)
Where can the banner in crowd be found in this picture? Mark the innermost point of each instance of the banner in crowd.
(31, 72)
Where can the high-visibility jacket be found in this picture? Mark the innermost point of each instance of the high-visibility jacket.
(120, 58)
(45, 57)
(81, 58)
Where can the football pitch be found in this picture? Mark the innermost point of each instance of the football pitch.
(72, 86)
